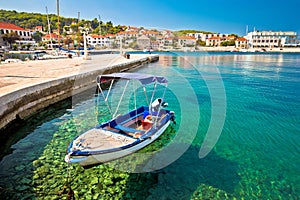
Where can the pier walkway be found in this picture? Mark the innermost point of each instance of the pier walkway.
(26, 87)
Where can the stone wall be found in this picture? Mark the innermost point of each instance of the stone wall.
(25, 102)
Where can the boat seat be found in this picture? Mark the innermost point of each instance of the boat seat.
(127, 129)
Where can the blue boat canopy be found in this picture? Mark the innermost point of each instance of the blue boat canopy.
(143, 78)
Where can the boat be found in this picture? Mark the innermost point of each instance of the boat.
(123, 134)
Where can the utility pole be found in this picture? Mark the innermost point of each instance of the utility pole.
(58, 22)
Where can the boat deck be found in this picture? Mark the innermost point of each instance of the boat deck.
(99, 139)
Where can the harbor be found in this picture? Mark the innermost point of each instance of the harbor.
(256, 156)
(26, 87)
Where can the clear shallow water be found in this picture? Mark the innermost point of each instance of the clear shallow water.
(257, 154)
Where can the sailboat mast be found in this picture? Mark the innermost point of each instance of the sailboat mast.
(58, 22)
(49, 28)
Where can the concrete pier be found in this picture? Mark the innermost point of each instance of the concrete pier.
(27, 87)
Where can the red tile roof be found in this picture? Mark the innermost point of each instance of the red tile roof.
(132, 33)
(242, 39)
(53, 36)
(121, 33)
(110, 35)
(187, 38)
(4, 25)
(96, 36)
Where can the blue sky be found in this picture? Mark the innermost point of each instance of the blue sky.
(217, 15)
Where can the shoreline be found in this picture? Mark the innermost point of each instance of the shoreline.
(225, 49)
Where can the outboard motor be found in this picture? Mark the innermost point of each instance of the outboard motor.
(173, 117)
(164, 104)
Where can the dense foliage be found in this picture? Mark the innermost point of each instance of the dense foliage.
(228, 43)
(31, 20)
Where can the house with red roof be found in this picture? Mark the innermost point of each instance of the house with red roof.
(95, 40)
(153, 34)
(215, 41)
(184, 41)
(39, 29)
(6, 28)
(127, 34)
(167, 42)
(242, 43)
(49, 37)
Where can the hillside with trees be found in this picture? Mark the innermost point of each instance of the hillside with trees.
(31, 20)
(184, 32)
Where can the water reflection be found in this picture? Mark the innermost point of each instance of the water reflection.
(270, 66)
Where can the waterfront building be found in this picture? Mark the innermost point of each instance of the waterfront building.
(50, 37)
(152, 34)
(185, 41)
(95, 40)
(155, 45)
(205, 36)
(216, 41)
(39, 29)
(127, 34)
(242, 43)
(143, 42)
(6, 28)
(169, 42)
(272, 39)
(213, 41)
(25, 35)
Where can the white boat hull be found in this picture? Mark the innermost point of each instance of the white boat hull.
(106, 157)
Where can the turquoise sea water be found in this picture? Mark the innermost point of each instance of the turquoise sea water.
(256, 156)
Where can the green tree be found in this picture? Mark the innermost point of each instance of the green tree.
(10, 37)
(201, 43)
(234, 35)
(94, 23)
(37, 36)
(15, 47)
(227, 43)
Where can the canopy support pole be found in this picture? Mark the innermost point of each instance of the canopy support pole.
(159, 108)
(105, 98)
(154, 89)
(120, 99)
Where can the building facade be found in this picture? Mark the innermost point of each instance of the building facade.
(95, 40)
(242, 43)
(25, 35)
(143, 42)
(6, 28)
(185, 41)
(272, 39)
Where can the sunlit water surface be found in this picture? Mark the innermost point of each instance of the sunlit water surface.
(257, 155)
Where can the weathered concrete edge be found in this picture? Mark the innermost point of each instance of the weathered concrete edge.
(27, 101)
